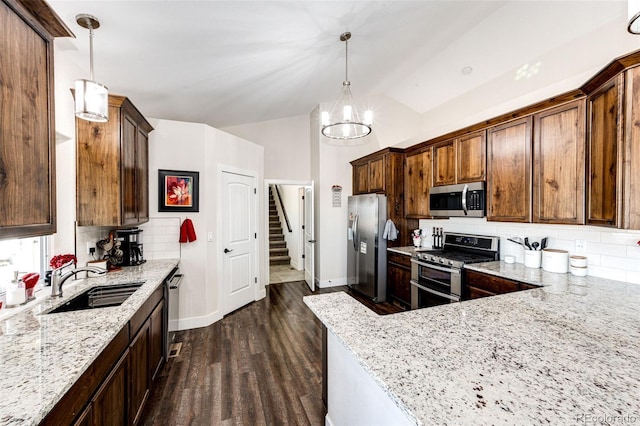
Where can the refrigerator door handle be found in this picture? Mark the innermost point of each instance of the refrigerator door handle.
(354, 228)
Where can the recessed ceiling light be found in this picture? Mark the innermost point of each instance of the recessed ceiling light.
(467, 70)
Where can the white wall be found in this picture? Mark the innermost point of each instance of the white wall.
(198, 147)
(286, 145)
(611, 253)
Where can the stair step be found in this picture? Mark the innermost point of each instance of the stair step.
(277, 243)
(275, 230)
(276, 237)
(279, 251)
(280, 260)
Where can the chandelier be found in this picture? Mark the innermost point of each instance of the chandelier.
(343, 121)
(92, 98)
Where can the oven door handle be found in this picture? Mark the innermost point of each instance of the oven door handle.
(436, 267)
(437, 293)
(175, 280)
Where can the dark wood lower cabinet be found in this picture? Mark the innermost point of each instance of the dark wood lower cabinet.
(157, 335)
(115, 388)
(399, 277)
(479, 285)
(139, 378)
(109, 405)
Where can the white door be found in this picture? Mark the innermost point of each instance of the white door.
(239, 241)
(309, 239)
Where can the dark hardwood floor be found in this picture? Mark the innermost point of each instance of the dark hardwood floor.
(259, 365)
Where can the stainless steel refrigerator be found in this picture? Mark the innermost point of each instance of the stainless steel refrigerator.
(366, 249)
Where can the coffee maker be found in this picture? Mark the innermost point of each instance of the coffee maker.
(131, 246)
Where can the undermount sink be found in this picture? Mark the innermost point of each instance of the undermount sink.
(99, 297)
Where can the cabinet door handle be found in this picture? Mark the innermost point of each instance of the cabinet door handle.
(227, 250)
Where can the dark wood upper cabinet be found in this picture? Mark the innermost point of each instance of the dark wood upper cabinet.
(382, 173)
(444, 163)
(460, 160)
(369, 176)
(604, 153)
(27, 132)
(112, 167)
(509, 171)
(631, 186)
(471, 157)
(559, 164)
(417, 181)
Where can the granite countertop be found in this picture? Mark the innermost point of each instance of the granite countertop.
(407, 250)
(561, 354)
(43, 355)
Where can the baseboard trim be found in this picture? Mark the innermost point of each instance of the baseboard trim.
(194, 322)
(332, 283)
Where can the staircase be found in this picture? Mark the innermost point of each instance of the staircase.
(278, 251)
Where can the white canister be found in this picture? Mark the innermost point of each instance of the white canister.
(579, 271)
(578, 261)
(532, 258)
(554, 260)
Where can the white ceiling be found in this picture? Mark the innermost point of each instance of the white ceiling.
(233, 62)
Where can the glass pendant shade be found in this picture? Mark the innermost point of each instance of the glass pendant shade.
(92, 101)
(343, 121)
(92, 98)
(634, 16)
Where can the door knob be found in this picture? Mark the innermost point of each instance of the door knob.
(227, 250)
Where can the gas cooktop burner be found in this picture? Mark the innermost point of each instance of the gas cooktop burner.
(462, 248)
(437, 255)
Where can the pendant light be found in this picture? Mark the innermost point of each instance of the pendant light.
(343, 121)
(634, 16)
(92, 98)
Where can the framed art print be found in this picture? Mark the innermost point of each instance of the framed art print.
(178, 191)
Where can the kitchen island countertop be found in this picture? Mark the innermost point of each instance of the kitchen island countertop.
(560, 354)
(43, 355)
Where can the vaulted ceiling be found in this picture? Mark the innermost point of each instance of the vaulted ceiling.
(232, 62)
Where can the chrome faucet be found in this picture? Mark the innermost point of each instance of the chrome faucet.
(57, 278)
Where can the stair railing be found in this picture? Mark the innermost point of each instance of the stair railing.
(284, 211)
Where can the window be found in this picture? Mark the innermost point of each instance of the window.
(23, 255)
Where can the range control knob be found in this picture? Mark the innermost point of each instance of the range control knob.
(441, 260)
(451, 262)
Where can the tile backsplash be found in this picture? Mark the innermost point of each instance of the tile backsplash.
(611, 253)
(159, 238)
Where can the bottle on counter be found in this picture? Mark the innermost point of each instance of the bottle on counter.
(15, 291)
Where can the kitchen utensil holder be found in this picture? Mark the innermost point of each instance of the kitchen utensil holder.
(532, 258)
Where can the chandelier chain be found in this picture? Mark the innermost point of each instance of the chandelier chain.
(346, 60)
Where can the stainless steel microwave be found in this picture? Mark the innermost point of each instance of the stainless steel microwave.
(463, 200)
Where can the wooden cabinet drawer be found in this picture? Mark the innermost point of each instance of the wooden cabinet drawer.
(399, 259)
(478, 285)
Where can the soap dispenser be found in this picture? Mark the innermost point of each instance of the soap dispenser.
(16, 292)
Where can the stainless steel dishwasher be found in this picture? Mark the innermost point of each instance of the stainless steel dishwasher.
(172, 299)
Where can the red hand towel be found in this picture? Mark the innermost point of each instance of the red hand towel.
(187, 232)
(191, 232)
(183, 232)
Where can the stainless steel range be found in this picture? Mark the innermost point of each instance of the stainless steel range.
(436, 275)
